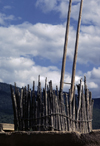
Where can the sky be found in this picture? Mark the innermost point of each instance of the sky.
(32, 35)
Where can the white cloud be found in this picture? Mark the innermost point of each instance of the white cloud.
(92, 85)
(24, 71)
(46, 41)
(46, 5)
(32, 39)
(93, 81)
(4, 18)
(7, 7)
(36, 39)
(91, 12)
(90, 15)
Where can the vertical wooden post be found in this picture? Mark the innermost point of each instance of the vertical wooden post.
(33, 106)
(79, 106)
(85, 105)
(90, 111)
(58, 110)
(65, 47)
(70, 110)
(21, 108)
(76, 51)
(74, 128)
(36, 116)
(14, 103)
(46, 106)
(83, 111)
(67, 111)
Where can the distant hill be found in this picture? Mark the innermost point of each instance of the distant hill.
(96, 114)
(6, 111)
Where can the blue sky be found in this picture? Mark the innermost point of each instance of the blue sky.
(32, 34)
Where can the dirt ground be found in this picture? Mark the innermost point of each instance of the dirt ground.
(49, 139)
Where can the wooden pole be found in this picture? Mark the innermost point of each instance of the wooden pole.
(14, 103)
(73, 125)
(76, 51)
(65, 47)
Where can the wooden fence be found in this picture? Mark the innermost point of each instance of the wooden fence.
(50, 110)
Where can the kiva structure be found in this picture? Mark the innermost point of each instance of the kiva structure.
(54, 110)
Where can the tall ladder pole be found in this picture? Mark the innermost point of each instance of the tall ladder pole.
(65, 47)
(76, 51)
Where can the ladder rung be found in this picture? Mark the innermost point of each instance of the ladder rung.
(66, 83)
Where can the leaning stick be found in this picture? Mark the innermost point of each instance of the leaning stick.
(65, 47)
(76, 51)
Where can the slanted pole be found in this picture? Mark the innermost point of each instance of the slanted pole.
(65, 47)
(76, 51)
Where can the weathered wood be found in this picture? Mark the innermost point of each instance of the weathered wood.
(21, 109)
(33, 106)
(6, 127)
(70, 110)
(46, 111)
(79, 107)
(14, 109)
(46, 101)
(65, 47)
(73, 122)
(85, 106)
(67, 111)
(76, 51)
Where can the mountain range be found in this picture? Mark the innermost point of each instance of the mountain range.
(6, 111)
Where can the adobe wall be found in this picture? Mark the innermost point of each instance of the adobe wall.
(49, 139)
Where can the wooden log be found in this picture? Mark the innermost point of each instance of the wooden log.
(67, 112)
(63, 113)
(84, 112)
(26, 109)
(70, 110)
(46, 107)
(85, 100)
(79, 105)
(18, 108)
(21, 109)
(49, 108)
(42, 118)
(38, 106)
(65, 47)
(14, 103)
(29, 109)
(74, 128)
(60, 117)
(54, 110)
(76, 51)
(18, 105)
(56, 115)
(51, 105)
(33, 106)
(36, 116)
(23, 104)
(82, 118)
(58, 109)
